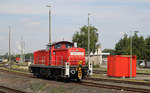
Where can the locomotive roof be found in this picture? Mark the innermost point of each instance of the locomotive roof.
(62, 42)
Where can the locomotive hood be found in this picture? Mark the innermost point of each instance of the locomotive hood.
(76, 56)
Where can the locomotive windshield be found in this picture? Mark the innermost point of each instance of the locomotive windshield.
(68, 45)
(58, 46)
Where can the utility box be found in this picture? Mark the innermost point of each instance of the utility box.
(121, 66)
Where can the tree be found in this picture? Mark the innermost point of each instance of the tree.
(5, 56)
(82, 38)
(29, 55)
(122, 47)
(138, 46)
(111, 51)
(147, 41)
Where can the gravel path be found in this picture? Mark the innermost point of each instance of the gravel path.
(34, 85)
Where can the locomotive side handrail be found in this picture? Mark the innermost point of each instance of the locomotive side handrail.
(60, 60)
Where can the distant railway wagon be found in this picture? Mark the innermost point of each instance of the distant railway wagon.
(60, 60)
(17, 59)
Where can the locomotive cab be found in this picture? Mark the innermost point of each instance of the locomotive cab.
(60, 60)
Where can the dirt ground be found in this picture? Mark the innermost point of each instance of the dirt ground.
(35, 85)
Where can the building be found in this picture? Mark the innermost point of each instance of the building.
(98, 58)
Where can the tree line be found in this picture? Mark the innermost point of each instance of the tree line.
(81, 37)
(13, 57)
(140, 47)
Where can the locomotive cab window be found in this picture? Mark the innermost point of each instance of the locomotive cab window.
(68, 45)
(58, 46)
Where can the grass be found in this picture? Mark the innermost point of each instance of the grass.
(37, 86)
(100, 68)
(21, 64)
(1, 64)
(96, 66)
(140, 70)
(12, 70)
(102, 76)
(16, 66)
(59, 90)
(143, 71)
(20, 69)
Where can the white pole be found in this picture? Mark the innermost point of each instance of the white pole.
(130, 54)
(49, 24)
(89, 62)
(22, 49)
(50, 42)
(89, 38)
(9, 47)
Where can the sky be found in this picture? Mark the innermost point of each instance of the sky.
(28, 20)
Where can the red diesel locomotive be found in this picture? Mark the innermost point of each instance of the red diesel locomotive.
(60, 60)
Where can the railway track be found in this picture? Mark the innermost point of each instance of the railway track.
(17, 73)
(119, 81)
(104, 72)
(94, 71)
(90, 83)
(99, 72)
(114, 87)
(4, 89)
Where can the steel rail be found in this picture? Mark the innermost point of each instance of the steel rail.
(105, 72)
(107, 86)
(115, 87)
(119, 81)
(4, 89)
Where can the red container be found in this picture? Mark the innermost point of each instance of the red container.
(119, 66)
(17, 59)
